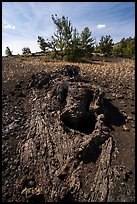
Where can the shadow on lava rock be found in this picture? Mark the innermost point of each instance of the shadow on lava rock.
(113, 115)
(91, 154)
(37, 198)
(67, 199)
(84, 124)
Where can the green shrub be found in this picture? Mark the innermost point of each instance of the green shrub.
(73, 54)
(52, 55)
(125, 49)
(26, 51)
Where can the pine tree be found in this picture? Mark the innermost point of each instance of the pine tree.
(66, 42)
(62, 37)
(87, 41)
(106, 45)
(42, 43)
(8, 52)
(26, 50)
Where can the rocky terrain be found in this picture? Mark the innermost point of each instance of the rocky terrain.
(68, 130)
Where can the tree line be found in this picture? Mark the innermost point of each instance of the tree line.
(68, 44)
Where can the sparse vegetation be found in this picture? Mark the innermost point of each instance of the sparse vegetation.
(8, 52)
(69, 45)
(125, 48)
(26, 50)
(68, 110)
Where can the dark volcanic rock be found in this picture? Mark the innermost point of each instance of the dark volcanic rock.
(76, 114)
(71, 71)
(62, 92)
(59, 148)
(40, 80)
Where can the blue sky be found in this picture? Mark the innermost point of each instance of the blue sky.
(22, 22)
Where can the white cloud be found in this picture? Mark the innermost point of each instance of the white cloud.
(8, 26)
(100, 26)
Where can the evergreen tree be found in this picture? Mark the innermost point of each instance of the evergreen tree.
(8, 52)
(125, 48)
(66, 42)
(87, 41)
(106, 45)
(26, 50)
(42, 43)
(63, 36)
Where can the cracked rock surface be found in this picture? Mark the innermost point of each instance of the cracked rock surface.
(58, 142)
